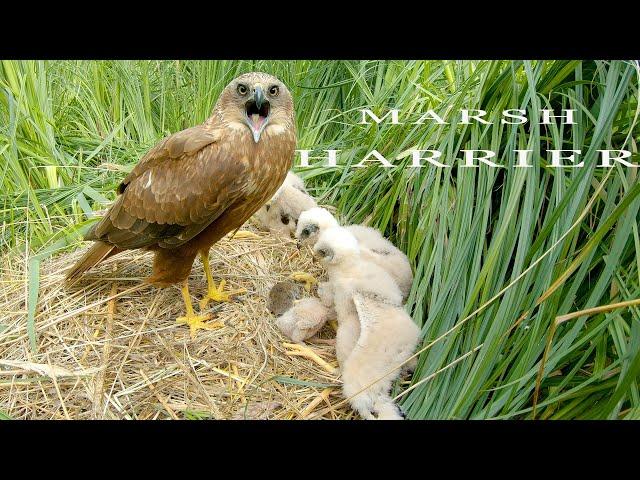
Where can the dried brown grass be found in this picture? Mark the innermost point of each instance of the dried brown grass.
(109, 347)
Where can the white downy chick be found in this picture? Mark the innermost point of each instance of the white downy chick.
(374, 332)
(340, 254)
(303, 320)
(312, 223)
(387, 340)
(373, 245)
(381, 251)
(280, 214)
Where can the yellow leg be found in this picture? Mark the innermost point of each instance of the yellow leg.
(194, 321)
(301, 350)
(217, 294)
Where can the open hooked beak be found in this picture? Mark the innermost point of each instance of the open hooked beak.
(257, 111)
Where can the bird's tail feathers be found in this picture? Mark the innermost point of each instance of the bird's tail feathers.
(98, 252)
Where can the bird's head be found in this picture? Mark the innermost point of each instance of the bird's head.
(281, 221)
(312, 223)
(336, 246)
(257, 101)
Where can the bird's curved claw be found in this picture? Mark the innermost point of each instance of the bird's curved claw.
(217, 294)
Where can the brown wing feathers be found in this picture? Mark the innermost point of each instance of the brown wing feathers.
(174, 146)
(181, 186)
(177, 189)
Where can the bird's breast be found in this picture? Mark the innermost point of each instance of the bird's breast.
(269, 162)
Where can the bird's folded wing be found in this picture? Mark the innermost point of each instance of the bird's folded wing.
(368, 313)
(177, 189)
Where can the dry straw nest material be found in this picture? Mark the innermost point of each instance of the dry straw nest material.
(109, 347)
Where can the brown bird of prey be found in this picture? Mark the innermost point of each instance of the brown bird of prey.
(199, 184)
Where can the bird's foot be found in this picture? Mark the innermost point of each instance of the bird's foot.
(217, 294)
(198, 322)
(300, 350)
(304, 277)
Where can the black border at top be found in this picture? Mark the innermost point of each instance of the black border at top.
(324, 36)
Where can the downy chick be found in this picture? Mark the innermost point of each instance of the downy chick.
(388, 337)
(374, 332)
(373, 245)
(280, 214)
(303, 320)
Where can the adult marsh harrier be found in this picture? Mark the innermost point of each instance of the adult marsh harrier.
(197, 185)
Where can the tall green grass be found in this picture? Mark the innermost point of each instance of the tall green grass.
(498, 254)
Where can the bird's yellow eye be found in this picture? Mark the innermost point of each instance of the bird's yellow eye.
(242, 89)
(274, 91)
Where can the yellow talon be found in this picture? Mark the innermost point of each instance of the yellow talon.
(307, 278)
(240, 234)
(197, 322)
(298, 350)
(217, 294)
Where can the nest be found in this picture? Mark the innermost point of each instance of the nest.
(108, 347)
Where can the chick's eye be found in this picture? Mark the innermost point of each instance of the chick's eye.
(322, 252)
(268, 207)
(274, 91)
(285, 219)
(242, 89)
(305, 233)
